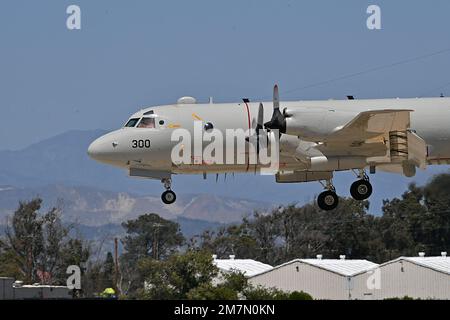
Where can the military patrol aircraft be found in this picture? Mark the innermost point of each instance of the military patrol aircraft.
(316, 138)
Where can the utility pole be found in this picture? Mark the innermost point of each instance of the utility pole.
(116, 263)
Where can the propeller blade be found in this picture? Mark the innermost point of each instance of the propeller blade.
(260, 121)
(276, 98)
(259, 126)
(278, 120)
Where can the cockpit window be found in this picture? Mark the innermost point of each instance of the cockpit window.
(147, 123)
(132, 122)
(148, 112)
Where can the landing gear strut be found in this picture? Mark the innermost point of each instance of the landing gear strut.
(361, 189)
(328, 200)
(168, 196)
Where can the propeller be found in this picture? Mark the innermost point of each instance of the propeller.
(259, 125)
(278, 120)
(260, 119)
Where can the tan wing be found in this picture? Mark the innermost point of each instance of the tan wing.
(383, 136)
(370, 124)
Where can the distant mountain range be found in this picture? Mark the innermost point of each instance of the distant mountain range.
(94, 207)
(97, 214)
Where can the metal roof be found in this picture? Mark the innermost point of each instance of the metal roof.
(342, 267)
(248, 267)
(441, 264)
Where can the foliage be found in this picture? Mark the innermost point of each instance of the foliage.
(418, 221)
(295, 295)
(38, 247)
(151, 236)
(175, 277)
(148, 236)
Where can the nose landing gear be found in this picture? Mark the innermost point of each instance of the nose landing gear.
(168, 196)
(328, 200)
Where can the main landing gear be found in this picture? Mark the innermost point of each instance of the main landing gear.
(168, 196)
(360, 190)
(328, 200)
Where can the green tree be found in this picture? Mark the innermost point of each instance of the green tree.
(299, 232)
(9, 266)
(175, 277)
(39, 245)
(151, 236)
(148, 236)
(25, 238)
(436, 228)
(228, 286)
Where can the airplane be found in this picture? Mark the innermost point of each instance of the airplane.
(311, 139)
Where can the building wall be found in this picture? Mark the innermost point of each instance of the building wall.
(403, 278)
(6, 289)
(319, 283)
(42, 292)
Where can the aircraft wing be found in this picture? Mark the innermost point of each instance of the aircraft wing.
(370, 134)
(370, 124)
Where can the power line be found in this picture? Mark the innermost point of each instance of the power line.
(435, 89)
(366, 71)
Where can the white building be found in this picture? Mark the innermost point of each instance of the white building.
(337, 279)
(15, 290)
(25, 292)
(416, 277)
(248, 267)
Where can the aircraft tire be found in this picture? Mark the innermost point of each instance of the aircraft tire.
(361, 190)
(328, 200)
(168, 197)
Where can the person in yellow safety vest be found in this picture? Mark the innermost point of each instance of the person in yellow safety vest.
(108, 293)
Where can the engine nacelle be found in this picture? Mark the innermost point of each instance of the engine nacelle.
(309, 124)
(301, 150)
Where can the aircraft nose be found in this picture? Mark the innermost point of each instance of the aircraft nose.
(95, 150)
(103, 149)
(109, 149)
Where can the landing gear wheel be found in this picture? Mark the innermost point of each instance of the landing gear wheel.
(328, 200)
(361, 190)
(168, 197)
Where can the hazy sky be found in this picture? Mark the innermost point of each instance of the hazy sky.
(130, 54)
